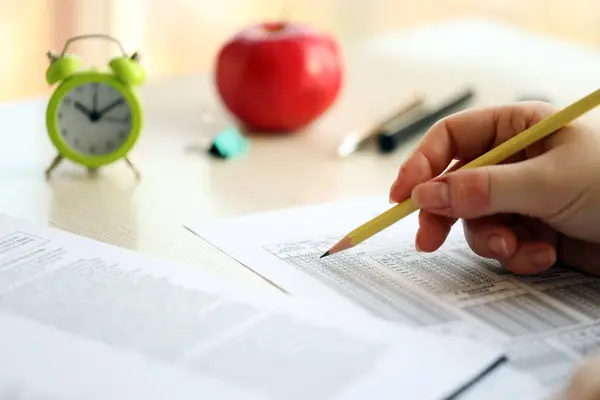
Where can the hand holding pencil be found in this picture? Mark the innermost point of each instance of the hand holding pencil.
(533, 199)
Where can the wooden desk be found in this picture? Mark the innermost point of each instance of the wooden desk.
(179, 181)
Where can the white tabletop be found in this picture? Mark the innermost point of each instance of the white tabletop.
(179, 181)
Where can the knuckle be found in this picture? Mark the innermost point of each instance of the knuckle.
(470, 191)
(476, 239)
(476, 245)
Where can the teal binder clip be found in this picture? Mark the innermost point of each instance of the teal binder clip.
(229, 143)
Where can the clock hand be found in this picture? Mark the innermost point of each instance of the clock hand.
(95, 99)
(88, 113)
(109, 107)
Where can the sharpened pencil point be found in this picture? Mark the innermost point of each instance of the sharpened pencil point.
(325, 254)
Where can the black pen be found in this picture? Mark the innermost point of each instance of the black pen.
(389, 139)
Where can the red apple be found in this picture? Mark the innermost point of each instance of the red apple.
(279, 76)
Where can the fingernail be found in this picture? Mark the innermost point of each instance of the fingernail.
(498, 245)
(432, 195)
(392, 191)
(542, 257)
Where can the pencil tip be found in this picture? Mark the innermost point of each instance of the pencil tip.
(325, 254)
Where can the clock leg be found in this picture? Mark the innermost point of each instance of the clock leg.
(133, 168)
(53, 165)
(93, 172)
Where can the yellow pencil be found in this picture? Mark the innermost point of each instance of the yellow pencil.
(496, 155)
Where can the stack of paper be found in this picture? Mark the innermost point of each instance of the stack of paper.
(84, 320)
(547, 323)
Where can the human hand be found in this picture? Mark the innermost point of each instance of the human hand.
(538, 207)
(585, 383)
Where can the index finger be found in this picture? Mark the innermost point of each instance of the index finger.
(464, 136)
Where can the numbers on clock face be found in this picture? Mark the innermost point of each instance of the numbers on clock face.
(94, 119)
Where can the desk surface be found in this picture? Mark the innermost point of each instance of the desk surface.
(179, 181)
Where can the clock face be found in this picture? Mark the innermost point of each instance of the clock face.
(94, 119)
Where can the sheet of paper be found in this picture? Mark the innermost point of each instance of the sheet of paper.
(81, 319)
(547, 323)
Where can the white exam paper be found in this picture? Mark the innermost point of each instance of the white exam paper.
(547, 323)
(80, 319)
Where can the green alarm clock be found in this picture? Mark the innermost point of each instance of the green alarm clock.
(94, 118)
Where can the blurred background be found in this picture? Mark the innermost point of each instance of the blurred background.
(181, 37)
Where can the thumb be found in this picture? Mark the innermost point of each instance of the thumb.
(522, 188)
